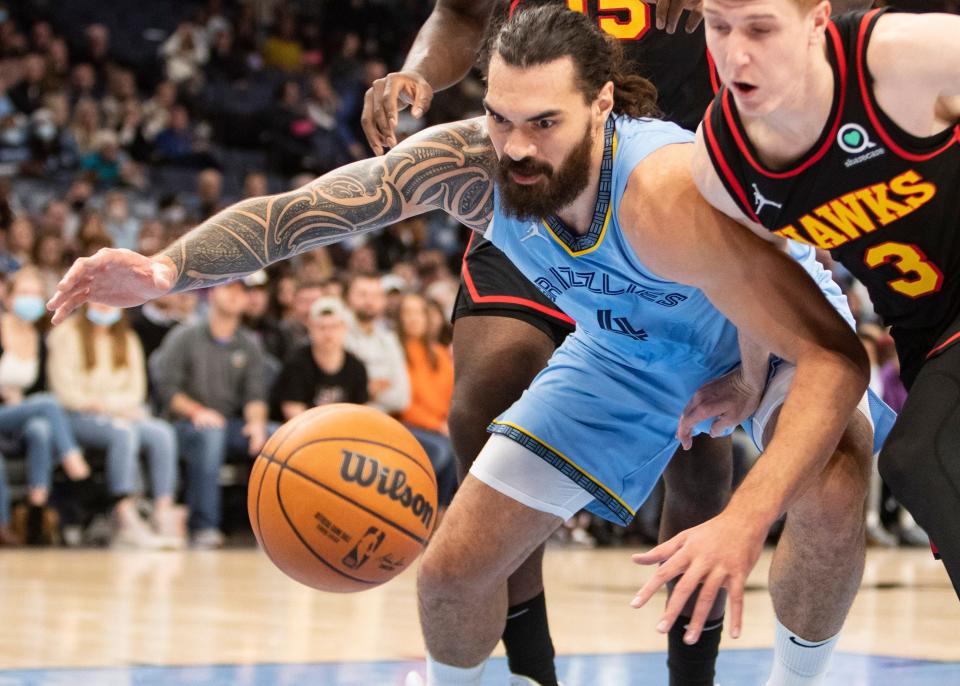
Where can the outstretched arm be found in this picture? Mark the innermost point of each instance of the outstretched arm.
(446, 167)
(768, 296)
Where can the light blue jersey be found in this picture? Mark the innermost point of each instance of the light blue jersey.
(622, 309)
(605, 410)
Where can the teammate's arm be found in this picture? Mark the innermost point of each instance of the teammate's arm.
(441, 55)
(767, 295)
(446, 167)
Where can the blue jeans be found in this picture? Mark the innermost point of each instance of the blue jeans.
(41, 423)
(205, 451)
(440, 451)
(123, 439)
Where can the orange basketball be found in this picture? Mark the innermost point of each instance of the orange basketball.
(342, 498)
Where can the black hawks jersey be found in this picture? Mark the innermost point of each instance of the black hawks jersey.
(676, 64)
(883, 202)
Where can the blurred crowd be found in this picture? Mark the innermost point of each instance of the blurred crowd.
(128, 129)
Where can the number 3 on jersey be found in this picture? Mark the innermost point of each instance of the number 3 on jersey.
(622, 19)
(921, 277)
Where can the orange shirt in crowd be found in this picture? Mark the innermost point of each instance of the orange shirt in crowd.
(431, 390)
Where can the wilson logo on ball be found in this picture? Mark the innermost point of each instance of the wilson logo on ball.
(367, 472)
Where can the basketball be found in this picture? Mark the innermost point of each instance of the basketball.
(342, 498)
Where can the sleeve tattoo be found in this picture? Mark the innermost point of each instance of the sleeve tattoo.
(447, 167)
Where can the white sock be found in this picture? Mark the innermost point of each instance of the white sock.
(439, 674)
(797, 661)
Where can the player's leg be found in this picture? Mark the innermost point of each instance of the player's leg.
(463, 575)
(921, 459)
(504, 332)
(697, 487)
(495, 359)
(819, 560)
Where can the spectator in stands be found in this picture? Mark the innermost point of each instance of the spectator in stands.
(282, 49)
(57, 216)
(85, 124)
(441, 330)
(121, 89)
(152, 238)
(96, 50)
(92, 230)
(430, 368)
(109, 164)
(58, 63)
(122, 228)
(321, 372)
(255, 184)
(185, 52)
(211, 378)
(260, 320)
(83, 84)
(208, 199)
(20, 241)
(291, 129)
(97, 370)
(49, 257)
(155, 319)
(52, 147)
(297, 318)
(27, 95)
(157, 110)
(377, 346)
(180, 144)
(228, 61)
(41, 36)
(27, 413)
(130, 133)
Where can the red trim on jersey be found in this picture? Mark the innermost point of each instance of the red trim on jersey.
(714, 74)
(741, 144)
(953, 339)
(868, 102)
(505, 299)
(724, 167)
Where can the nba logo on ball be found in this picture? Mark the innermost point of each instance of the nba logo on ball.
(342, 498)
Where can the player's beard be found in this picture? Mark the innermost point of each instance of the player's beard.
(555, 191)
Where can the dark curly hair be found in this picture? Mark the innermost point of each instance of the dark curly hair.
(538, 34)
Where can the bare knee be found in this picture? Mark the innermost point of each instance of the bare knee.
(835, 501)
(444, 575)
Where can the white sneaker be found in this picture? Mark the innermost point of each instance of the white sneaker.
(170, 527)
(134, 533)
(207, 539)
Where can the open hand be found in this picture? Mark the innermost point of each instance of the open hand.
(720, 553)
(121, 278)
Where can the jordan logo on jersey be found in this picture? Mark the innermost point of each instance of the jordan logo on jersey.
(534, 232)
(619, 325)
(761, 201)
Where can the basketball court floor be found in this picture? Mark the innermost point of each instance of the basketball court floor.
(112, 618)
